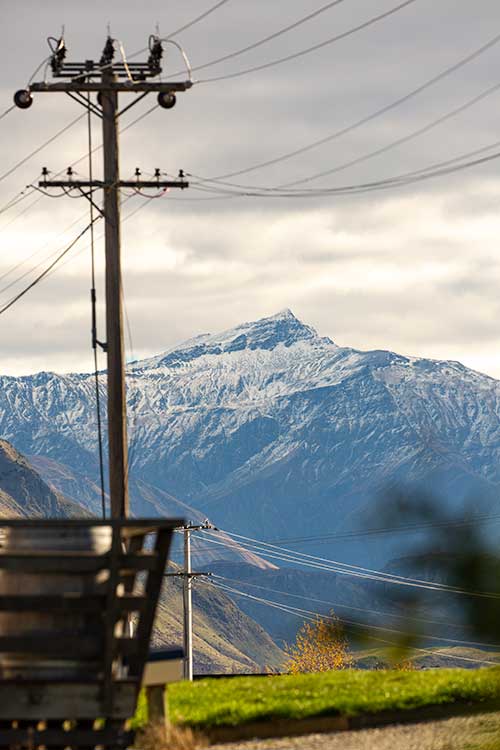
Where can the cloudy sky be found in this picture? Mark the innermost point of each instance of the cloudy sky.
(415, 269)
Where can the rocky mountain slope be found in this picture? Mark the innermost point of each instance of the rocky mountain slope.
(224, 638)
(272, 430)
(23, 493)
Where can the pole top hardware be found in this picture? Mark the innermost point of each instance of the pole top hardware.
(106, 75)
(133, 71)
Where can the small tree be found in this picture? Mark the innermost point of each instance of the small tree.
(319, 646)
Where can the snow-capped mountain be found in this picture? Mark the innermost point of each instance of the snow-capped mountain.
(274, 431)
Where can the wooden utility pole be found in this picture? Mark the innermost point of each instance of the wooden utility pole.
(107, 79)
(117, 414)
(188, 606)
(188, 577)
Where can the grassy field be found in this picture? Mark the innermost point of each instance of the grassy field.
(232, 702)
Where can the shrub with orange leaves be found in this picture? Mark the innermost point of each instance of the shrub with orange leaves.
(320, 646)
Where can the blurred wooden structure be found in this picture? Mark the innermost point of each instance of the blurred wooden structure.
(88, 708)
(164, 666)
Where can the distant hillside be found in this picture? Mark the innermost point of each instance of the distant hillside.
(225, 639)
(431, 658)
(23, 492)
(145, 500)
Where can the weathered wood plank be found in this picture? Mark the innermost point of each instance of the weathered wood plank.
(129, 527)
(52, 645)
(59, 700)
(69, 563)
(69, 603)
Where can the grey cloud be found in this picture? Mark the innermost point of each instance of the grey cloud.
(258, 265)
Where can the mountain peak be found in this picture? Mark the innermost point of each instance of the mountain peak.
(265, 333)
(284, 314)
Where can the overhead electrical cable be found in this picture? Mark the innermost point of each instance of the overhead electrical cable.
(40, 197)
(313, 48)
(191, 23)
(312, 616)
(100, 236)
(41, 147)
(368, 118)
(334, 566)
(401, 180)
(233, 190)
(375, 531)
(335, 562)
(398, 142)
(45, 272)
(18, 198)
(384, 149)
(306, 597)
(7, 111)
(270, 37)
(370, 626)
(23, 262)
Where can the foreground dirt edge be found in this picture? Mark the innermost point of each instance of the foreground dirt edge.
(326, 724)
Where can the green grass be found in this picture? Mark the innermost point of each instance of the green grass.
(231, 702)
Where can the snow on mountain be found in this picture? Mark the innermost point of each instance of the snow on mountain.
(274, 431)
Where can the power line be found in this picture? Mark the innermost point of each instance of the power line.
(7, 111)
(315, 614)
(22, 195)
(401, 180)
(45, 272)
(313, 48)
(193, 22)
(332, 604)
(333, 567)
(239, 191)
(384, 149)
(30, 257)
(41, 147)
(274, 552)
(368, 118)
(100, 236)
(472, 521)
(39, 198)
(312, 616)
(349, 566)
(399, 141)
(268, 38)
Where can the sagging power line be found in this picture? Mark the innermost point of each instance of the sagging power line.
(273, 552)
(464, 61)
(312, 616)
(313, 48)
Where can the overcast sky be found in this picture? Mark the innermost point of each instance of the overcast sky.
(414, 269)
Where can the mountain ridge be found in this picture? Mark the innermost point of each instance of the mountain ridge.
(270, 429)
